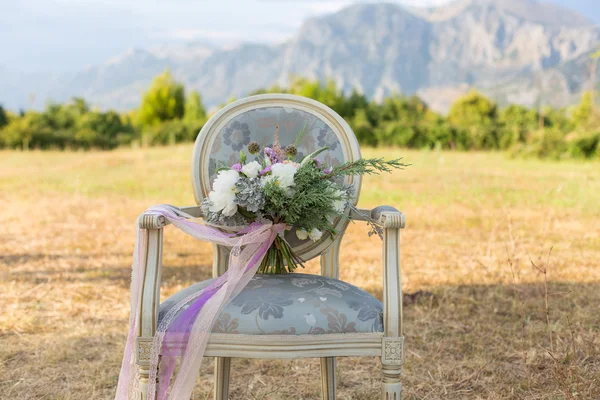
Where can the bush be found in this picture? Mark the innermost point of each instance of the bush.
(171, 132)
(546, 143)
(583, 145)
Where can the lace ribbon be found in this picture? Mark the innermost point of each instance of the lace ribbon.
(184, 334)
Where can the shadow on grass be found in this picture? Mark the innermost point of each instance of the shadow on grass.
(470, 341)
(121, 276)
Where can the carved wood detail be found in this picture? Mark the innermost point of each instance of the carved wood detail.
(392, 352)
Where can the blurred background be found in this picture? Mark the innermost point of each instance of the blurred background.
(493, 102)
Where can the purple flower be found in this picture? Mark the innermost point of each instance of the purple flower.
(327, 171)
(266, 170)
(272, 154)
(237, 167)
(317, 162)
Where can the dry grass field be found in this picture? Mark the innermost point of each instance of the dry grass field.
(475, 312)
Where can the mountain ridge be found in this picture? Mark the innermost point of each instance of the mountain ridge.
(378, 48)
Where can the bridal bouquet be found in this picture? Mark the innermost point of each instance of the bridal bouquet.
(280, 186)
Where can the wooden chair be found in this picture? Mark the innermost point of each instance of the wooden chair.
(344, 321)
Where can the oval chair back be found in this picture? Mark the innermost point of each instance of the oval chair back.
(256, 118)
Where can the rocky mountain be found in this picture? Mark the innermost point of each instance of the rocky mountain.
(521, 51)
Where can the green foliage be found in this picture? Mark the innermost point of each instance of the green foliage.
(584, 111)
(477, 115)
(194, 110)
(75, 125)
(70, 125)
(171, 132)
(515, 122)
(367, 166)
(311, 204)
(3, 117)
(583, 144)
(164, 101)
(546, 143)
(167, 116)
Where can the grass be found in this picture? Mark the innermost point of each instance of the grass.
(476, 321)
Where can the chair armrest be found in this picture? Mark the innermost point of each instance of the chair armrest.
(151, 221)
(392, 221)
(151, 260)
(387, 216)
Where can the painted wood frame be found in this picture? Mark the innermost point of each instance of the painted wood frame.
(388, 345)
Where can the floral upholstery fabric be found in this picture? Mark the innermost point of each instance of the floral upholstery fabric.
(259, 125)
(293, 304)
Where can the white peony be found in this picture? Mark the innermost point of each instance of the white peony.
(223, 202)
(285, 174)
(252, 169)
(225, 182)
(222, 196)
(315, 234)
(302, 234)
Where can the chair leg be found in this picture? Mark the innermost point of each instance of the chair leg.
(392, 387)
(222, 370)
(144, 373)
(328, 378)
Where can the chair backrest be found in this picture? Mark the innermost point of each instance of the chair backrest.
(255, 118)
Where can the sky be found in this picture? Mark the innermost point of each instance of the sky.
(68, 35)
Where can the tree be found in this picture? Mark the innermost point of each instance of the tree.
(194, 110)
(477, 114)
(362, 128)
(3, 117)
(584, 110)
(516, 122)
(164, 101)
(108, 129)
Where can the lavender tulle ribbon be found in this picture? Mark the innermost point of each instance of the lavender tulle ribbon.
(184, 331)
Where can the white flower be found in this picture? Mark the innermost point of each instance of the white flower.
(302, 234)
(222, 196)
(284, 174)
(340, 204)
(225, 182)
(315, 234)
(224, 202)
(252, 169)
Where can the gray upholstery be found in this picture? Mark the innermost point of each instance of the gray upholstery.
(293, 304)
(259, 125)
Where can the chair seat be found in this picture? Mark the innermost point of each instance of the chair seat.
(293, 304)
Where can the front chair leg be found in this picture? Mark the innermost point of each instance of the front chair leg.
(328, 378)
(392, 387)
(392, 359)
(143, 352)
(143, 375)
(222, 371)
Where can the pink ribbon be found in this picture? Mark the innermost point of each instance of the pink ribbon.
(185, 333)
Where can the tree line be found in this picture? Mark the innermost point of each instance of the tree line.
(169, 115)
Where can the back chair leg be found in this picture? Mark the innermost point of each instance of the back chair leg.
(222, 371)
(328, 378)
